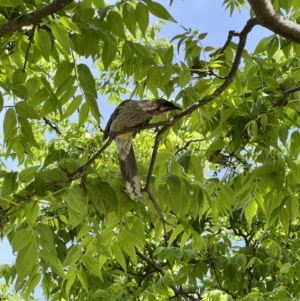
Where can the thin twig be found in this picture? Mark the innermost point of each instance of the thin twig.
(29, 45)
(231, 34)
(52, 125)
(92, 159)
(187, 144)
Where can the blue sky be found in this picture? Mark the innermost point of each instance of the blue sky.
(207, 16)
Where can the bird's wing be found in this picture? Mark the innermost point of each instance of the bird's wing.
(110, 120)
(112, 117)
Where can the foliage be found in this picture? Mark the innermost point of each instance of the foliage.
(225, 176)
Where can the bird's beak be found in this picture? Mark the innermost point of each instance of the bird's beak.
(177, 108)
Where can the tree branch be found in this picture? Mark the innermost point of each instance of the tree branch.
(269, 18)
(51, 124)
(159, 269)
(229, 79)
(187, 144)
(284, 100)
(77, 174)
(33, 17)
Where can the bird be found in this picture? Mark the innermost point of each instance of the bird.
(133, 114)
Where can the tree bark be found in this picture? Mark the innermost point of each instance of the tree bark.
(33, 17)
(271, 19)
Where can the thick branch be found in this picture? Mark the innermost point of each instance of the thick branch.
(269, 18)
(34, 17)
(229, 79)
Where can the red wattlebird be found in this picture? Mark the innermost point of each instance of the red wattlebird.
(127, 115)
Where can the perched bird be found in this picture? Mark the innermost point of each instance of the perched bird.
(127, 115)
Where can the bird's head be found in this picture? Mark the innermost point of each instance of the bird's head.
(163, 106)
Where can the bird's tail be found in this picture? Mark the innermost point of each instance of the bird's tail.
(129, 168)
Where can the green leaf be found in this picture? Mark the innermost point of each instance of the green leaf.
(53, 101)
(227, 195)
(32, 211)
(11, 3)
(169, 55)
(93, 105)
(9, 184)
(34, 280)
(32, 84)
(142, 17)
(182, 274)
(53, 261)
(20, 91)
(272, 46)
(45, 234)
(129, 17)
(179, 228)
(108, 195)
(76, 200)
(118, 254)
(184, 160)
(73, 106)
(21, 239)
(264, 171)
(86, 80)
(115, 23)
(19, 77)
(99, 3)
(27, 132)
(73, 255)
(133, 232)
(195, 168)
(9, 124)
(294, 145)
(83, 114)
(70, 283)
(91, 264)
(26, 110)
(26, 260)
(251, 211)
(184, 77)
(271, 82)
(285, 268)
(174, 197)
(159, 11)
(63, 71)
(1, 101)
(109, 51)
(61, 35)
(141, 50)
(163, 157)
(26, 175)
(130, 251)
(261, 46)
(43, 42)
(91, 42)
(54, 156)
(39, 185)
(292, 207)
(66, 21)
